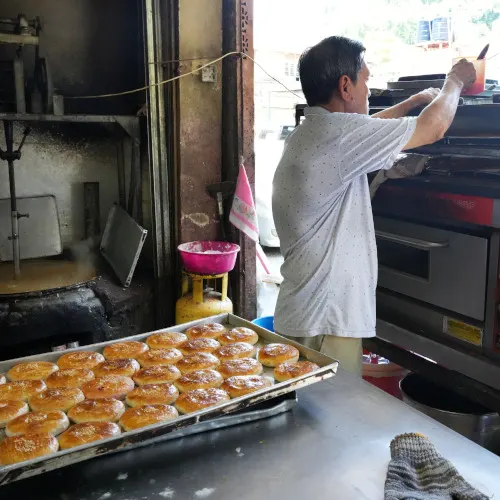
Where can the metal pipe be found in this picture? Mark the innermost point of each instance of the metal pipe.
(121, 174)
(92, 211)
(9, 141)
(19, 84)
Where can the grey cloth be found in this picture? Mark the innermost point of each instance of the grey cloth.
(418, 472)
(406, 165)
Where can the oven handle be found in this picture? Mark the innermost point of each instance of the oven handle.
(410, 242)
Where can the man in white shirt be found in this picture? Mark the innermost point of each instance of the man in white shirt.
(321, 199)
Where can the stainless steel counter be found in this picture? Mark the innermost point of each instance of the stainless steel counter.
(334, 444)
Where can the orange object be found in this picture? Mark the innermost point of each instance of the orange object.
(479, 85)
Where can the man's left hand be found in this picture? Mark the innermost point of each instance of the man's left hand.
(426, 96)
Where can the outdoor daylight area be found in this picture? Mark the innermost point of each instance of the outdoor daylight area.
(402, 38)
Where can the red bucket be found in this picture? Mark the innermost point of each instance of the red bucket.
(208, 257)
(383, 374)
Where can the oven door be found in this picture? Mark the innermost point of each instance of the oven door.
(444, 268)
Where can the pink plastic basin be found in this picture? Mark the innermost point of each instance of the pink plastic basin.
(208, 257)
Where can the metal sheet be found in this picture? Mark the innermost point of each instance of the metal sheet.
(227, 421)
(141, 437)
(415, 84)
(122, 243)
(39, 234)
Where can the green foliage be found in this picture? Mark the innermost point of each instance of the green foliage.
(488, 17)
(406, 31)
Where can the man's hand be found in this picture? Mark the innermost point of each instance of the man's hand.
(426, 96)
(463, 71)
(421, 99)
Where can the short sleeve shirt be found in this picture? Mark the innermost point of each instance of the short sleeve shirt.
(323, 216)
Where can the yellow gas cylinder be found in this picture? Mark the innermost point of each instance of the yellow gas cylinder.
(198, 301)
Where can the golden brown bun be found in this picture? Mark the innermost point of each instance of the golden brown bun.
(9, 410)
(274, 354)
(134, 418)
(97, 410)
(165, 374)
(166, 340)
(21, 448)
(209, 331)
(237, 350)
(124, 367)
(33, 370)
(290, 369)
(198, 361)
(88, 432)
(243, 366)
(21, 390)
(124, 350)
(80, 359)
(159, 357)
(203, 379)
(3, 379)
(245, 384)
(61, 399)
(199, 345)
(38, 422)
(153, 394)
(198, 399)
(71, 377)
(239, 335)
(109, 386)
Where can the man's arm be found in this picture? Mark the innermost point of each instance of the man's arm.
(403, 108)
(437, 117)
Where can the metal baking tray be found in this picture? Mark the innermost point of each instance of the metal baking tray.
(146, 435)
(39, 234)
(121, 244)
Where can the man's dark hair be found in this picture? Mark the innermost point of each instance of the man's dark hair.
(322, 66)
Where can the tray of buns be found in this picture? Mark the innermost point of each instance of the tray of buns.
(61, 408)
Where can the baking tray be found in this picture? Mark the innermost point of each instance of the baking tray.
(121, 244)
(267, 409)
(39, 234)
(147, 435)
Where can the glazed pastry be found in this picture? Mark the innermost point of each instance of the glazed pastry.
(33, 370)
(274, 354)
(89, 432)
(141, 416)
(80, 359)
(200, 399)
(203, 379)
(21, 448)
(97, 410)
(38, 422)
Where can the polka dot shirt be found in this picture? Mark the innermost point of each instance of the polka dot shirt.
(323, 216)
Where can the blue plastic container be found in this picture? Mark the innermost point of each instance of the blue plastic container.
(266, 322)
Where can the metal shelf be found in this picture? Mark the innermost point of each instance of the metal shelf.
(130, 124)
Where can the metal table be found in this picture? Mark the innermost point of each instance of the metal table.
(334, 444)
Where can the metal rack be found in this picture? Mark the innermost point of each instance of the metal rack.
(129, 124)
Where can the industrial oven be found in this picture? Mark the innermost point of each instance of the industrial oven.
(438, 243)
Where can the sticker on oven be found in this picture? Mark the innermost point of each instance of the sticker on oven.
(463, 331)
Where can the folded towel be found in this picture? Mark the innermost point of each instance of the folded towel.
(418, 472)
(244, 216)
(406, 165)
